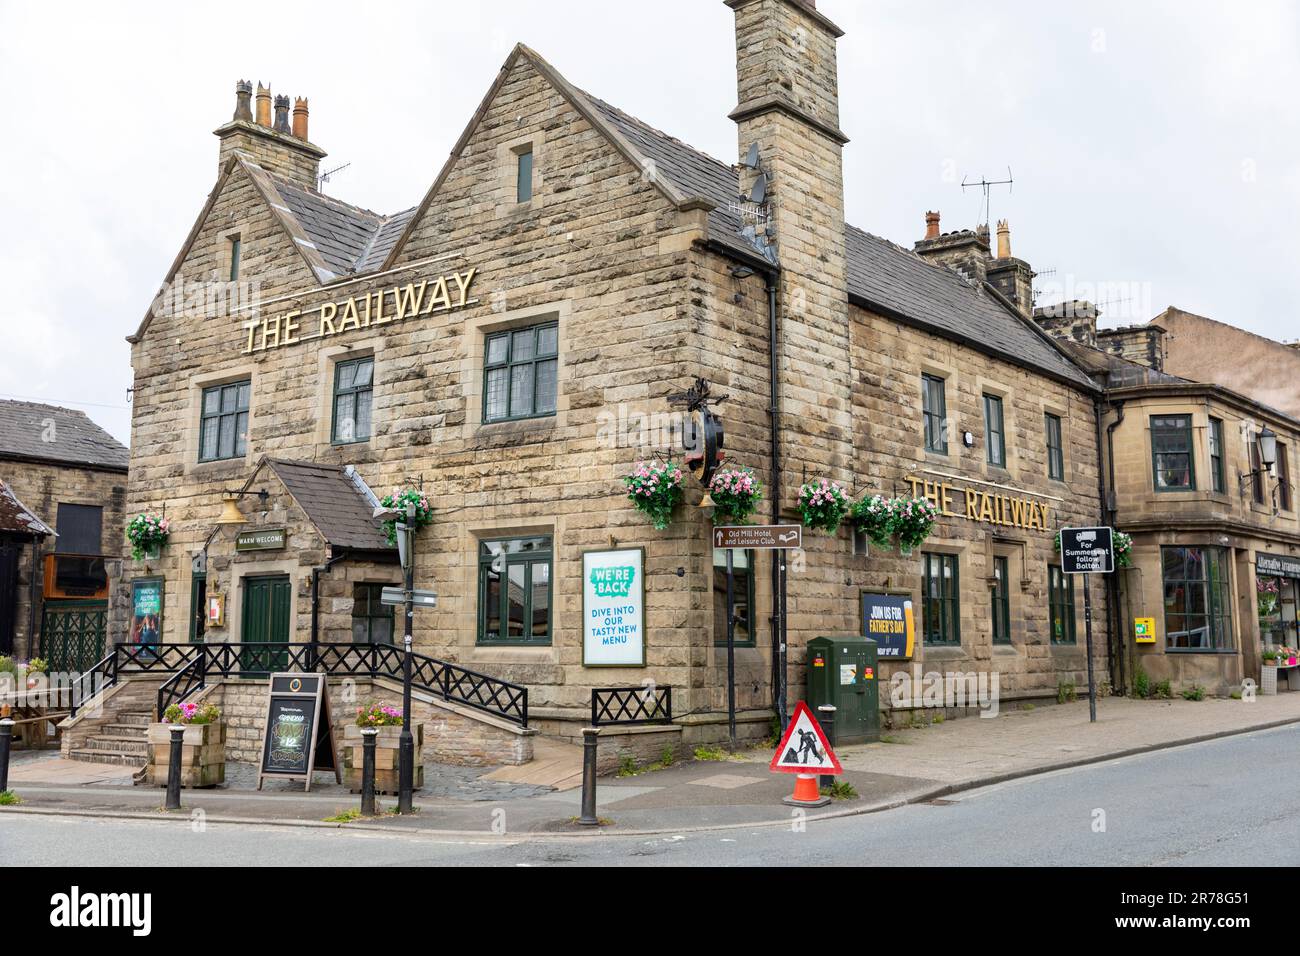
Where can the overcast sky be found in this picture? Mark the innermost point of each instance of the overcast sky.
(1154, 146)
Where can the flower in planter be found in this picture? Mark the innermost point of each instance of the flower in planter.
(399, 499)
(655, 489)
(146, 532)
(188, 712)
(873, 517)
(823, 505)
(736, 493)
(912, 520)
(376, 714)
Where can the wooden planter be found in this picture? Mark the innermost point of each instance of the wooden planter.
(387, 743)
(203, 754)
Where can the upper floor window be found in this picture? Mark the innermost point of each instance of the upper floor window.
(223, 428)
(1218, 475)
(524, 174)
(354, 384)
(994, 431)
(236, 246)
(514, 591)
(1171, 452)
(1055, 448)
(519, 374)
(1256, 472)
(1283, 478)
(934, 405)
(1060, 605)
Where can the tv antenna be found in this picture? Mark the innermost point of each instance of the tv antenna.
(323, 178)
(986, 185)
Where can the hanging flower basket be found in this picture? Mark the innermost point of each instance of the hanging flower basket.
(911, 520)
(736, 493)
(872, 516)
(656, 489)
(823, 505)
(398, 500)
(147, 534)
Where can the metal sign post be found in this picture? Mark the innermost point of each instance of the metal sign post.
(757, 537)
(1087, 551)
(406, 745)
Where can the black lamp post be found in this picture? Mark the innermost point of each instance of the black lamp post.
(406, 746)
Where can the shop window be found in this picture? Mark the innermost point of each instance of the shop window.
(1275, 599)
(514, 591)
(934, 404)
(1001, 601)
(524, 174)
(1218, 475)
(742, 592)
(80, 528)
(1055, 449)
(372, 620)
(940, 607)
(354, 384)
(1060, 605)
(223, 429)
(1283, 478)
(1198, 615)
(994, 431)
(519, 374)
(1171, 453)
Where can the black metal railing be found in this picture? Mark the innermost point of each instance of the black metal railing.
(192, 665)
(631, 705)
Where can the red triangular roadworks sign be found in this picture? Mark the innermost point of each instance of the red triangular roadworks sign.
(812, 751)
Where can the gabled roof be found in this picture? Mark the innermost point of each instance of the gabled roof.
(34, 431)
(17, 518)
(332, 503)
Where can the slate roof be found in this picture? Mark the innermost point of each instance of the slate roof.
(881, 273)
(332, 504)
(76, 440)
(16, 518)
(350, 239)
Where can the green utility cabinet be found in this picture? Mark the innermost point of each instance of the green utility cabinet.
(843, 671)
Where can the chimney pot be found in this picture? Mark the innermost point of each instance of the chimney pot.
(1004, 239)
(300, 117)
(282, 115)
(263, 105)
(243, 92)
(932, 225)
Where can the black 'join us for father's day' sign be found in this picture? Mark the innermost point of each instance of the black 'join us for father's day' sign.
(299, 738)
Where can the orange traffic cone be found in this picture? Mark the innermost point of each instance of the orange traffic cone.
(806, 792)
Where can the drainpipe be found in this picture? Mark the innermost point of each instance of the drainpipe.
(774, 425)
(1117, 628)
(315, 601)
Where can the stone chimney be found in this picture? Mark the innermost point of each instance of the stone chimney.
(966, 251)
(1143, 344)
(269, 143)
(787, 84)
(1011, 276)
(1074, 321)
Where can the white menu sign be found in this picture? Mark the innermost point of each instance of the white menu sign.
(613, 608)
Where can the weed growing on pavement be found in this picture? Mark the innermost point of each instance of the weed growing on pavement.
(840, 790)
(891, 739)
(1163, 691)
(666, 757)
(1141, 684)
(937, 719)
(345, 816)
(626, 766)
(1066, 692)
(1195, 692)
(1027, 707)
(600, 821)
(9, 799)
(710, 753)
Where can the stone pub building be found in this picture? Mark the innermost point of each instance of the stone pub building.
(500, 346)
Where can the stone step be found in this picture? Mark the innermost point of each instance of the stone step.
(133, 730)
(121, 757)
(135, 745)
(141, 718)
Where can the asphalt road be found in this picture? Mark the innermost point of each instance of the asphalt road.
(1219, 803)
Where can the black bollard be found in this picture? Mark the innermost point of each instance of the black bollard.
(368, 735)
(6, 736)
(826, 716)
(589, 736)
(174, 769)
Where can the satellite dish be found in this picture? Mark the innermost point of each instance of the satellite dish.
(759, 193)
(751, 158)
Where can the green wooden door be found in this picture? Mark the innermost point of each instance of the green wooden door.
(265, 620)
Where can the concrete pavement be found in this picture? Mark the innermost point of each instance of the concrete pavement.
(919, 765)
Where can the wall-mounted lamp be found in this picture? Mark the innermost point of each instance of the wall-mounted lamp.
(1266, 441)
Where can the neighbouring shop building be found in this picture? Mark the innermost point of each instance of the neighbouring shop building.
(62, 502)
(1201, 477)
(511, 347)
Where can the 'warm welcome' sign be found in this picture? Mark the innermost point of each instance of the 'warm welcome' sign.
(613, 608)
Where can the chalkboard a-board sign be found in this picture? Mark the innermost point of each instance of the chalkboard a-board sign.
(299, 738)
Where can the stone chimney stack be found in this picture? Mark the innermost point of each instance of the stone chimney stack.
(270, 143)
(965, 251)
(1074, 321)
(1011, 276)
(787, 84)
